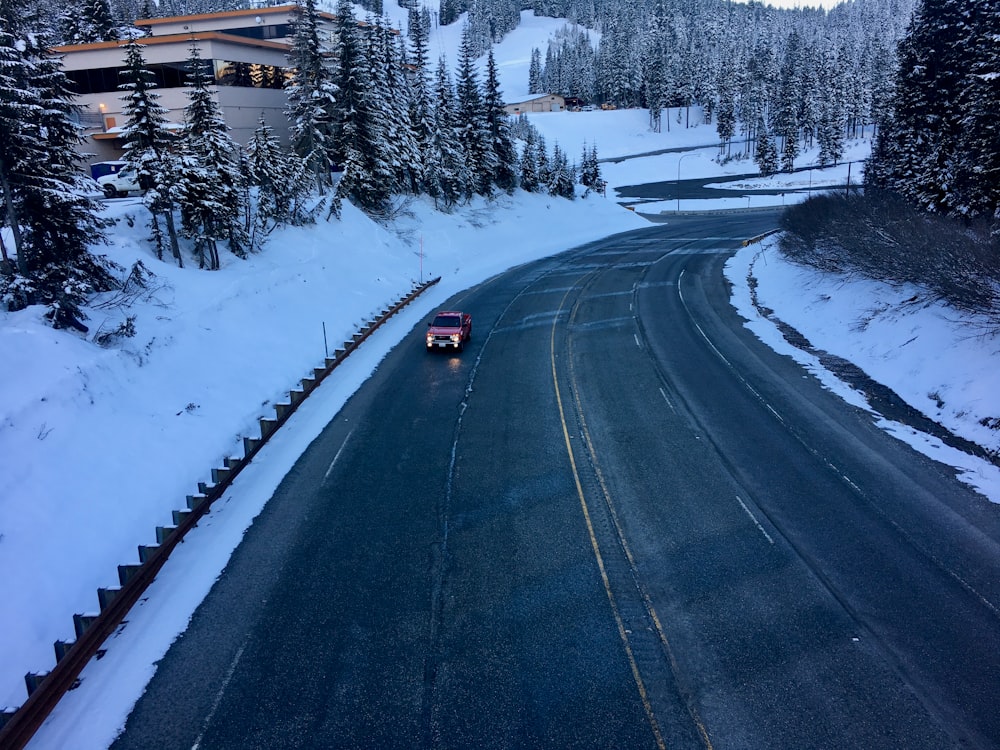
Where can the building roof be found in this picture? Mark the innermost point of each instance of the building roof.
(219, 36)
(231, 14)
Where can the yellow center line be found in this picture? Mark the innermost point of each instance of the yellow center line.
(650, 609)
(596, 547)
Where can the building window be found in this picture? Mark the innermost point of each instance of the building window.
(250, 75)
(274, 31)
(174, 75)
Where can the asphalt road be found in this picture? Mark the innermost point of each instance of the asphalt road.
(616, 520)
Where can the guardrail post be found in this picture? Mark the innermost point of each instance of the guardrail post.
(33, 681)
(104, 597)
(62, 648)
(81, 622)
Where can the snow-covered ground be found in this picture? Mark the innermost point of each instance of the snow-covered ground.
(100, 445)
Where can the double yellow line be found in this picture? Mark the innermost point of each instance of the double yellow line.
(584, 507)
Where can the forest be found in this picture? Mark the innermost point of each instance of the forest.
(920, 78)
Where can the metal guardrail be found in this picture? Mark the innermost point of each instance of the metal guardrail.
(759, 237)
(46, 690)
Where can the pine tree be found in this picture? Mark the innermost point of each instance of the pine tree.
(498, 123)
(978, 159)
(473, 131)
(535, 83)
(656, 66)
(590, 169)
(282, 190)
(400, 141)
(726, 111)
(560, 178)
(542, 160)
(97, 23)
(421, 115)
(52, 222)
(312, 96)
(367, 178)
(917, 151)
(832, 116)
(147, 143)
(448, 175)
(529, 177)
(767, 152)
(209, 182)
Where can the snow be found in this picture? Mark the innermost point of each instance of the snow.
(100, 445)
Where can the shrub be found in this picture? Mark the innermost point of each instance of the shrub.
(879, 236)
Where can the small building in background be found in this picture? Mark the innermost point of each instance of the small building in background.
(541, 103)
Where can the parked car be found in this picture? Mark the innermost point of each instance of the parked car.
(587, 108)
(119, 184)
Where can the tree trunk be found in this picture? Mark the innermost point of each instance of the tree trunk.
(14, 223)
(172, 232)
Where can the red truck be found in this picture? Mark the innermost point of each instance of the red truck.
(449, 329)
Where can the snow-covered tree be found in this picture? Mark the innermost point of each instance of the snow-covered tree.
(535, 83)
(498, 123)
(590, 169)
(52, 222)
(148, 143)
(529, 177)
(474, 133)
(208, 185)
(447, 173)
(281, 181)
(939, 148)
(561, 177)
(421, 114)
(767, 152)
(312, 96)
(359, 133)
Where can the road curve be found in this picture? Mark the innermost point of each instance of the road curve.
(615, 520)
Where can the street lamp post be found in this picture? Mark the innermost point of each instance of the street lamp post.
(679, 180)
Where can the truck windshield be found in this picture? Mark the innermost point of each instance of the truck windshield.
(447, 321)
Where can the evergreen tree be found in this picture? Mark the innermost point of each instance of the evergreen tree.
(147, 144)
(421, 115)
(498, 123)
(535, 83)
(832, 117)
(590, 169)
(209, 182)
(367, 178)
(399, 139)
(312, 96)
(448, 174)
(726, 111)
(474, 134)
(97, 23)
(529, 177)
(767, 152)
(542, 160)
(919, 152)
(52, 222)
(280, 179)
(560, 177)
(656, 66)
(978, 160)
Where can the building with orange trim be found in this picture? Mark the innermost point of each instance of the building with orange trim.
(247, 53)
